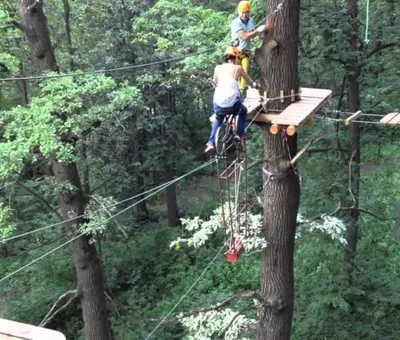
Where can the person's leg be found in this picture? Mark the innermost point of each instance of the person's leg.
(219, 113)
(242, 110)
(245, 62)
(216, 125)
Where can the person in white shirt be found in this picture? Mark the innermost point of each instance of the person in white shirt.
(226, 98)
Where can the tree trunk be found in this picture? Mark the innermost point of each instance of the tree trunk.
(34, 24)
(278, 66)
(86, 261)
(353, 74)
(84, 254)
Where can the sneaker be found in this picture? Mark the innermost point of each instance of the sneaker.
(210, 147)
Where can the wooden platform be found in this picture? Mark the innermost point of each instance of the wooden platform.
(392, 119)
(296, 114)
(11, 330)
(311, 100)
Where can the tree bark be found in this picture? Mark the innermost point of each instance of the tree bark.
(278, 65)
(84, 255)
(34, 24)
(353, 69)
(72, 202)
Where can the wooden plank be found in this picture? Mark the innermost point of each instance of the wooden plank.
(312, 92)
(395, 121)
(13, 330)
(352, 117)
(253, 101)
(263, 117)
(301, 111)
(391, 119)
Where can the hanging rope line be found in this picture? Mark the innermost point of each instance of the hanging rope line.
(342, 120)
(124, 68)
(95, 225)
(186, 294)
(366, 40)
(39, 258)
(158, 188)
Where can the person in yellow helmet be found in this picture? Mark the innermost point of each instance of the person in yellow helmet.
(226, 98)
(242, 30)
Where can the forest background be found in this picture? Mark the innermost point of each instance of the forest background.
(131, 130)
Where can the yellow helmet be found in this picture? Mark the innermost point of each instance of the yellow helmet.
(244, 6)
(232, 51)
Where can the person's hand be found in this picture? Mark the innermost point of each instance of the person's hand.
(260, 29)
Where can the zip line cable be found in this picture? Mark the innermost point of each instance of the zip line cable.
(107, 70)
(162, 186)
(123, 68)
(106, 220)
(39, 258)
(186, 294)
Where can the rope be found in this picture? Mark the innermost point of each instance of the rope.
(39, 258)
(97, 224)
(354, 121)
(162, 186)
(184, 295)
(108, 70)
(350, 113)
(366, 40)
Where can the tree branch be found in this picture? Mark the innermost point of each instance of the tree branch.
(222, 334)
(370, 213)
(18, 25)
(338, 60)
(39, 198)
(220, 305)
(351, 192)
(304, 149)
(50, 315)
(379, 47)
(363, 211)
(110, 215)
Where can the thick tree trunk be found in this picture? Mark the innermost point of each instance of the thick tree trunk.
(278, 67)
(34, 24)
(84, 254)
(86, 261)
(353, 74)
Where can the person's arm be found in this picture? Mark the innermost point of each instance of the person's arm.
(247, 35)
(215, 76)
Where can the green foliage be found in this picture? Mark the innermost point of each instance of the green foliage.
(98, 212)
(210, 324)
(66, 109)
(7, 224)
(97, 120)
